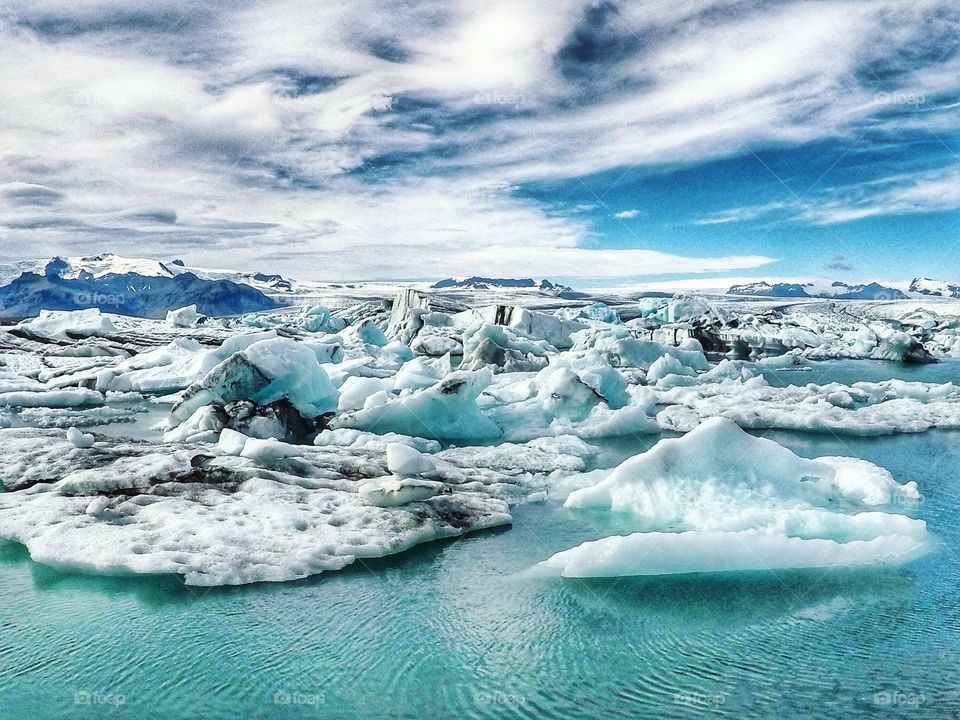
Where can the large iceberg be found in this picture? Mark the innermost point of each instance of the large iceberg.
(719, 499)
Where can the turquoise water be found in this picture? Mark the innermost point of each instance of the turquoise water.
(851, 371)
(457, 630)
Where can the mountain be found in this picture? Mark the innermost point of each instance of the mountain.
(765, 289)
(271, 285)
(127, 293)
(486, 283)
(836, 290)
(939, 288)
(98, 266)
(870, 291)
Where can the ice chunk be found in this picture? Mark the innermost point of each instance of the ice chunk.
(79, 439)
(773, 509)
(96, 506)
(184, 317)
(406, 461)
(79, 397)
(317, 319)
(666, 366)
(347, 437)
(355, 390)
(267, 451)
(394, 492)
(66, 325)
(121, 508)
(531, 324)
(264, 372)
(416, 374)
(621, 349)
(367, 332)
(204, 424)
(231, 442)
(666, 553)
(448, 410)
(719, 465)
(488, 344)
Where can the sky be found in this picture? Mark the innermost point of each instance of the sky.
(598, 143)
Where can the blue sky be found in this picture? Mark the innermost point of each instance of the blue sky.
(596, 142)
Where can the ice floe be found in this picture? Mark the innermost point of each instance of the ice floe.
(281, 444)
(719, 499)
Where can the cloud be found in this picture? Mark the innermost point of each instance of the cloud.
(386, 139)
(742, 214)
(838, 262)
(626, 214)
(21, 193)
(927, 191)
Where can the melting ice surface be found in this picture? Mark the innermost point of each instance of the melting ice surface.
(719, 499)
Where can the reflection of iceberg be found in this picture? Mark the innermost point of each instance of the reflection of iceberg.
(719, 499)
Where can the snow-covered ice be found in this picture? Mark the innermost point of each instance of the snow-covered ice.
(719, 499)
(277, 445)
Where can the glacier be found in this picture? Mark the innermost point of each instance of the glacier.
(273, 445)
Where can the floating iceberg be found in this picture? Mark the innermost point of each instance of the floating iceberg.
(185, 317)
(275, 513)
(68, 324)
(719, 499)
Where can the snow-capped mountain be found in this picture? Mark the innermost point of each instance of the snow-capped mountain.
(97, 266)
(269, 284)
(94, 282)
(837, 290)
(765, 289)
(870, 291)
(939, 288)
(477, 282)
(109, 264)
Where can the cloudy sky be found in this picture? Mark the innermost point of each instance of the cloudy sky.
(603, 141)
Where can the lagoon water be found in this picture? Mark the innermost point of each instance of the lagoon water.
(458, 630)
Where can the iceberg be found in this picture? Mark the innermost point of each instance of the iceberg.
(68, 324)
(719, 499)
(264, 372)
(445, 411)
(184, 317)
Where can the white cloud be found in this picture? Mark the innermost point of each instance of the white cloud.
(903, 194)
(181, 135)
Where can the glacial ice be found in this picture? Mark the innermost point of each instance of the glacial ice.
(185, 317)
(719, 499)
(80, 439)
(123, 508)
(668, 553)
(407, 461)
(300, 439)
(68, 324)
